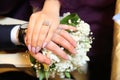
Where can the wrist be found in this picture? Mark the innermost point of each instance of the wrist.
(22, 33)
(52, 6)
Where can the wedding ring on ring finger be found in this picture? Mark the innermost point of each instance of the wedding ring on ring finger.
(46, 23)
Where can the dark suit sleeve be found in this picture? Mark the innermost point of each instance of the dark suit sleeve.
(5, 39)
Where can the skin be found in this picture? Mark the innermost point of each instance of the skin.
(63, 39)
(40, 35)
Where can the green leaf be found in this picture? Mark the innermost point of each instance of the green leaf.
(33, 60)
(46, 75)
(41, 74)
(73, 17)
(67, 74)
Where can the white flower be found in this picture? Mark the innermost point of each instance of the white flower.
(77, 61)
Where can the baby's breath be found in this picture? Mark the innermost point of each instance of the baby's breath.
(83, 38)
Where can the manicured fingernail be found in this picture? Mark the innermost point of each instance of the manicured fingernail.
(33, 49)
(29, 47)
(37, 49)
(74, 44)
(48, 61)
(74, 51)
(66, 57)
(44, 44)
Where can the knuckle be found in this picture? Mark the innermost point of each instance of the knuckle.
(33, 15)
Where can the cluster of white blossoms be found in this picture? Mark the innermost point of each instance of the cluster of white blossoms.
(83, 38)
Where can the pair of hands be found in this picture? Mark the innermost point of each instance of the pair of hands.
(60, 38)
(44, 31)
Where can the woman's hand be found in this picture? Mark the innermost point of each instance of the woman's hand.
(38, 36)
(60, 38)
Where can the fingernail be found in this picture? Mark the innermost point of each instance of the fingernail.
(66, 57)
(44, 44)
(74, 51)
(48, 61)
(74, 44)
(29, 47)
(33, 49)
(37, 49)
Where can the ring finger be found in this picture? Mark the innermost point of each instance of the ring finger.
(63, 42)
(41, 37)
(57, 50)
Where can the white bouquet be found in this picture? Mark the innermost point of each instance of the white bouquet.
(64, 67)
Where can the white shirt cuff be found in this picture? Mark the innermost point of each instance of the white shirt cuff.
(14, 35)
